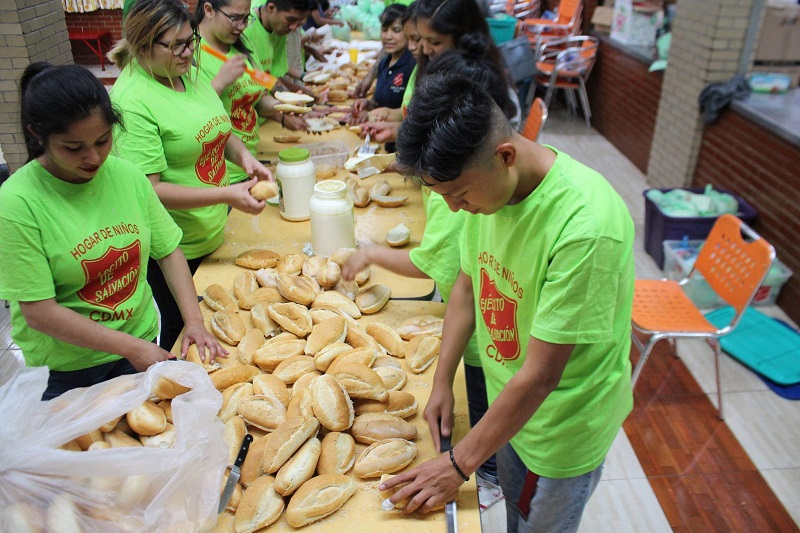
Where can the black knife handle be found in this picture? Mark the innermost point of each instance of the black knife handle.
(444, 443)
(243, 452)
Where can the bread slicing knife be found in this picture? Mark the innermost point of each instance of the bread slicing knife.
(450, 507)
(233, 477)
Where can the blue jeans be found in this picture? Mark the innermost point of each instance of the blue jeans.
(61, 382)
(557, 504)
(478, 404)
(171, 319)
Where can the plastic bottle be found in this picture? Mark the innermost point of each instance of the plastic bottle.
(332, 218)
(296, 178)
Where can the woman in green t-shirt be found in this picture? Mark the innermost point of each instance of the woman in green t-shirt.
(179, 134)
(77, 227)
(221, 24)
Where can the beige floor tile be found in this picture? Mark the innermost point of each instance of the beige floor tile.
(10, 362)
(786, 486)
(624, 506)
(621, 461)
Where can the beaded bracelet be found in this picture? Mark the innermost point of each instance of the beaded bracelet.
(455, 465)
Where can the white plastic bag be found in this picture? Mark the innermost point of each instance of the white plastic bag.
(118, 489)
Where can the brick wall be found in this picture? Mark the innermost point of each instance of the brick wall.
(624, 100)
(744, 158)
(30, 30)
(102, 19)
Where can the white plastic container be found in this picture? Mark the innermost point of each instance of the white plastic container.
(332, 218)
(296, 177)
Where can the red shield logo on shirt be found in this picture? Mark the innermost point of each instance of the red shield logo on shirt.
(243, 112)
(398, 80)
(112, 278)
(210, 166)
(500, 316)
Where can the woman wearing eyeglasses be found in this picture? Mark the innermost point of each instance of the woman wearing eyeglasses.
(220, 24)
(179, 134)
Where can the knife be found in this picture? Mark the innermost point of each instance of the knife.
(233, 477)
(450, 507)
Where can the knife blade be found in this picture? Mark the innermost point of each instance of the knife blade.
(450, 507)
(233, 477)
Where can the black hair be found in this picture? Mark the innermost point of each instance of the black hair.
(452, 123)
(199, 14)
(391, 14)
(456, 18)
(409, 13)
(55, 97)
(298, 5)
(471, 61)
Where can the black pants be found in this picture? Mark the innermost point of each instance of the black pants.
(171, 319)
(61, 382)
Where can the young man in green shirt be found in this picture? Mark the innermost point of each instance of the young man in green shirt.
(546, 283)
(275, 19)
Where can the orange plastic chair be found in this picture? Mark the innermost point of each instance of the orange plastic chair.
(535, 121)
(732, 267)
(540, 30)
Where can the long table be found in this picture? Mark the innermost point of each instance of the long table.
(269, 230)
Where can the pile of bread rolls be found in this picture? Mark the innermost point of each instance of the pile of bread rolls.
(339, 86)
(311, 384)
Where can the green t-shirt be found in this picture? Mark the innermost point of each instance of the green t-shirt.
(240, 99)
(269, 47)
(558, 266)
(86, 245)
(409, 92)
(438, 254)
(182, 136)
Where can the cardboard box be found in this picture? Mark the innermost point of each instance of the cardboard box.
(602, 17)
(793, 71)
(779, 38)
(636, 23)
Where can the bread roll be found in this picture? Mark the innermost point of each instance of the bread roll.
(117, 439)
(233, 433)
(365, 356)
(297, 289)
(358, 338)
(341, 255)
(390, 201)
(386, 494)
(259, 507)
(225, 377)
(252, 341)
(373, 427)
(244, 283)
(166, 406)
(231, 397)
(147, 419)
(291, 264)
(331, 404)
(329, 275)
(71, 446)
(313, 265)
(400, 403)
(287, 439)
(330, 353)
(318, 315)
(292, 108)
(262, 295)
(360, 381)
(337, 454)
(285, 138)
(264, 412)
(251, 468)
(256, 259)
(84, 441)
(273, 354)
(424, 354)
(267, 384)
(319, 497)
(228, 327)
(261, 320)
(111, 424)
(325, 333)
(290, 369)
(301, 404)
(362, 275)
(393, 378)
(385, 457)
(372, 300)
(193, 356)
(291, 317)
(236, 498)
(338, 96)
(380, 188)
(336, 300)
(305, 380)
(299, 468)
(218, 299)
(267, 277)
(101, 445)
(386, 360)
(420, 325)
(264, 189)
(388, 338)
(166, 389)
(325, 171)
(347, 288)
(358, 194)
(293, 98)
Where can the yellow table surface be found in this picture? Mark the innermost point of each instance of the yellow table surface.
(363, 513)
(269, 230)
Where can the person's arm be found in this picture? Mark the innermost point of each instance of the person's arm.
(51, 318)
(397, 261)
(364, 85)
(182, 197)
(294, 87)
(230, 71)
(179, 279)
(382, 132)
(322, 20)
(238, 153)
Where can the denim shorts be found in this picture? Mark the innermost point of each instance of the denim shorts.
(556, 504)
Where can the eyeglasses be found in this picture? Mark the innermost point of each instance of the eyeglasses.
(179, 47)
(238, 20)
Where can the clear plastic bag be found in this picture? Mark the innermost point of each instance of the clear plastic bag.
(44, 488)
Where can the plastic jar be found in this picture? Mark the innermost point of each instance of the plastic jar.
(332, 218)
(296, 178)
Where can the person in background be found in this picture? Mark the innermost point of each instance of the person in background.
(322, 15)
(275, 20)
(220, 24)
(179, 134)
(77, 227)
(546, 283)
(394, 70)
(438, 255)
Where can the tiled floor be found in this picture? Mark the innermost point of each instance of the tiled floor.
(764, 424)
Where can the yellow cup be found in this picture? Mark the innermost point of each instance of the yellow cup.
(354, 56)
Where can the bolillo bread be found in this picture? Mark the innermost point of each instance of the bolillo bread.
(385, 457)
(360, 381)
(388, 338)
(299, 468)
(373, 299)
(218, 299)
(262, 295)
(228, 327)
(285, 440)
(331, 404)
(298, 289)
(424, 354)
(147, 419)
(244, 283)
(259, 507)
(263, 411)
(257, 259)
(400, 403)
(231, 397)
(325, 333)
(225, 377)
(337, 454)
(292, 368)
(319, 497)
(373, 427)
